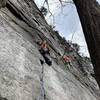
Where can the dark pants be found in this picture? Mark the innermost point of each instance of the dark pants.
(46, 55)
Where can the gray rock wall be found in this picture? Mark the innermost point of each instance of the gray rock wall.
(3, 3)
(21, 25)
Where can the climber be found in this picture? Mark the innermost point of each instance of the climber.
(44, 50)
(67, 59)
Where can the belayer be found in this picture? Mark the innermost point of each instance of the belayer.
(45, 52)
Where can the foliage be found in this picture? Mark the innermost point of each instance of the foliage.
(63, 41)
(57, 34)
(76, 47)
(44, 10)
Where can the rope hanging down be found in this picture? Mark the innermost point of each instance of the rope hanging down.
(42, 91)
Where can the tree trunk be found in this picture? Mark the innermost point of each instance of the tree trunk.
(89, 14)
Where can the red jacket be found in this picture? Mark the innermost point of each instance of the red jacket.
(66, 58)
(43, 45)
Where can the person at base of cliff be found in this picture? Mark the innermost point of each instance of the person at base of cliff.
(44, 50)
(67, 60)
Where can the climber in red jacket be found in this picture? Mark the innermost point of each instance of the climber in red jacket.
(44, 47)
(67, 59)
(44, 50)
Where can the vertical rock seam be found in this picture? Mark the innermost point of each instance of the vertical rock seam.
(42, 90)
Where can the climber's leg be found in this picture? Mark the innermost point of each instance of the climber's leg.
(46, 56)
(47, 59)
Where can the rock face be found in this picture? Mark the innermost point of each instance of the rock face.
(21, 25)
(3, 3)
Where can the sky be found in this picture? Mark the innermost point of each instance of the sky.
(67, 22)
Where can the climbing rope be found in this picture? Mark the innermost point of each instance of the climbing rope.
(42, 90)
